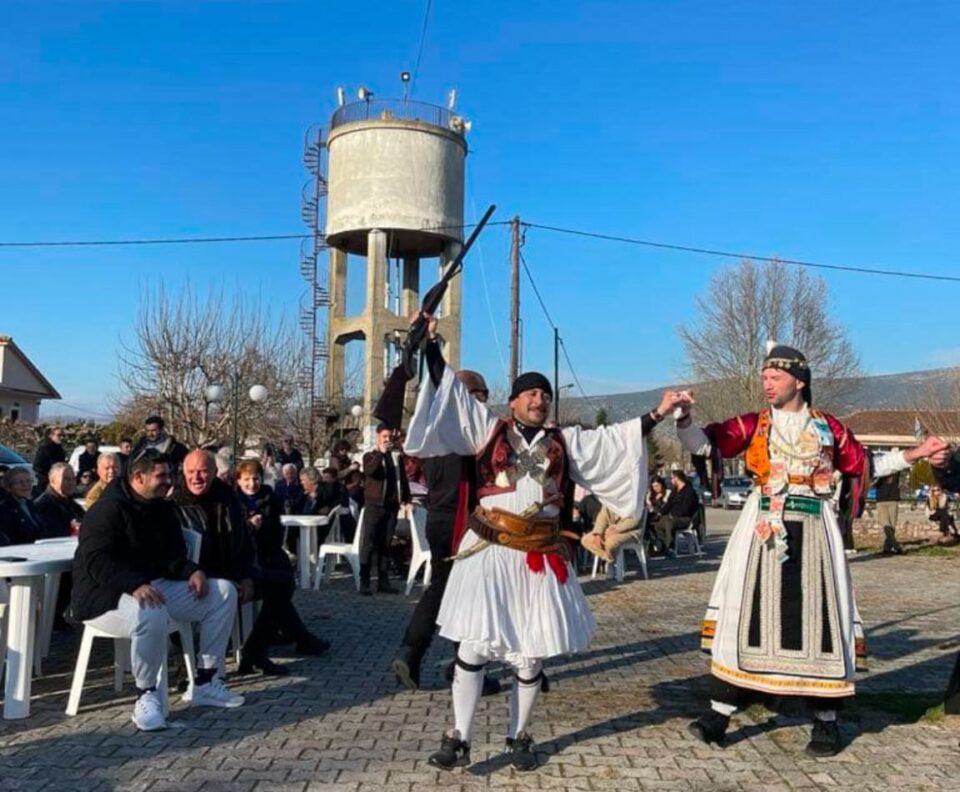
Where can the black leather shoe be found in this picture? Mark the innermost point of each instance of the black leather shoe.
(266, 666)
(312, 646)
(521, 752)
(406, 666)
(825, 739)
(453, 752)
(711, 727)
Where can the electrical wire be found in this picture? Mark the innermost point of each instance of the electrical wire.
(546, 313)
(197, 240)
(729, 254)
(423, 38)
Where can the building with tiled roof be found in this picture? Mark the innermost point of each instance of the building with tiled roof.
(899, 427)
(22, 386)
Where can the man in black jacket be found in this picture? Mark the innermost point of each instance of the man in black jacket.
(210, 507)
(385, 489)
(681, 507)
(49, 452)
(132, 576)
(449, 480)
(156, 437)
(59, 512)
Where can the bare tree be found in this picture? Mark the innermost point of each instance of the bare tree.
(185, 344)
(743, 307)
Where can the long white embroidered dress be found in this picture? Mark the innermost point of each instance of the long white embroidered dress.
(494, 602)
(750, 572)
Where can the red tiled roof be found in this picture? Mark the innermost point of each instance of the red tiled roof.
(901, 422)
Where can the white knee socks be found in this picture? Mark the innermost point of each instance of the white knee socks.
(467, 689)
(526, 690)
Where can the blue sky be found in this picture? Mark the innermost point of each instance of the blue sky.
(821, 130)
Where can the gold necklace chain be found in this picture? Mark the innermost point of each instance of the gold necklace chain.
(788, 447)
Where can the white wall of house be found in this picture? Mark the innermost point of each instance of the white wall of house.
(25, 409)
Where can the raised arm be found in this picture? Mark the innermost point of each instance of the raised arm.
(447, 419)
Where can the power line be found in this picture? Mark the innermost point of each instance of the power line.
(159, 241)
(39, 243)
(536, 291)
(423, 38)
(563, 346)
(729, 254)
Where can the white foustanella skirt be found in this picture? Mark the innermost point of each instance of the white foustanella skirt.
(504, 610)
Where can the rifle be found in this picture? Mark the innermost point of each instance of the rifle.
(433, 297)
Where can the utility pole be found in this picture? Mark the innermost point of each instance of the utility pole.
(514, 298)
(556, 376)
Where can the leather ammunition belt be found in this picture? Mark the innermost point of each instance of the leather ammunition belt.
(505, 529)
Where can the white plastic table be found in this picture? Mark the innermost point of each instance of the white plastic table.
(307, 525)
(26, 579)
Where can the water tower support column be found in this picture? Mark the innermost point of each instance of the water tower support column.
(449, 325)
(376, 330)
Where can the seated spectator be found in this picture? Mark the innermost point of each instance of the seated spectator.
(268, 461)
(656, 502)
(123, 455)
(288, 454)
(59, 513)
(288, 489)
(224, 464)
(84, 482)
(938, 511)
(681, 506)
(610, 530)
(156, 437)
(261, 510)
(88, 459)
(132, 576)
(108, 468)
(19, 521)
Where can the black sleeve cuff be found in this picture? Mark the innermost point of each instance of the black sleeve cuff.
(647, 423)
(435, 362)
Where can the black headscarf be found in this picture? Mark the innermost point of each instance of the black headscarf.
(794, 363)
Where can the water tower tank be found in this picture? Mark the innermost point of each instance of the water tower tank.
(397, 166)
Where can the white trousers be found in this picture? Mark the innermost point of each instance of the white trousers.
(148, 627)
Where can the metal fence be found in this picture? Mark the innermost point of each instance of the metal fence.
(385, 109)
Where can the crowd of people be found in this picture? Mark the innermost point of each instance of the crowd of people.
(500, 495)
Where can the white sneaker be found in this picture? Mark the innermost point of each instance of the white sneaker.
(148, 712)
(212, 694)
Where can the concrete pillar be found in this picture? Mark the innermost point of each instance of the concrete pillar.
(410, 286)
(337, 288)
(373, 311)
(449, 326)
(337, 283)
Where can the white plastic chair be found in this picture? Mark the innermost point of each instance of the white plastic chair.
(121, 647)
(619, 560)
(330, 551)
(421, 550)
(687, 543)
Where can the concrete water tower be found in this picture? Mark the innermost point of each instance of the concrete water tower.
(395, 196)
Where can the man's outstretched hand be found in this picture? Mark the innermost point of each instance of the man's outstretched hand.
(934, 448)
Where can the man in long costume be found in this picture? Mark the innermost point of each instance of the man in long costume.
(512, 594)
(782, 619)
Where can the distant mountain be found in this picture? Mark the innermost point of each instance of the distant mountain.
(907, 389)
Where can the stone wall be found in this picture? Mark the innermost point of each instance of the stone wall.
(912, 527)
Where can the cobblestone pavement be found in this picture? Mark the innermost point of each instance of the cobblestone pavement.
(615, 718)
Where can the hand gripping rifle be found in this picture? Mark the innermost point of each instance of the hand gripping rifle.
(418, 330)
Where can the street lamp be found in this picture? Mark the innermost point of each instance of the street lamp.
(215, 394)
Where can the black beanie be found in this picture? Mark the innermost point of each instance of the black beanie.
(529, 381)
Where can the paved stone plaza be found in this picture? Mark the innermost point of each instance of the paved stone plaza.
(615, 718)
